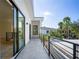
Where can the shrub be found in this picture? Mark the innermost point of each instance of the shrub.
(44, 37)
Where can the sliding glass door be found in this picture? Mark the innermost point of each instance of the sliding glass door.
(19, 30)
(12, 30)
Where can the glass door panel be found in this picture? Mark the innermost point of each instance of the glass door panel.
(15, 21)
(20, 30)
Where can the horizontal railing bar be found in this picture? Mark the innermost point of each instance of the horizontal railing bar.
(53, 44)
(66, 46)
(77, 57)
(69, 47)
(55, 52)
(70, 42)
(53, 56)
(59, 52)
(66, 51)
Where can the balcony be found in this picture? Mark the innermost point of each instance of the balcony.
(33, 50)
(52, 49)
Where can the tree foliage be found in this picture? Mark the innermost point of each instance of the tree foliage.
(67, 29)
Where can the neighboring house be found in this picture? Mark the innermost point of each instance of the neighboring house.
(17, 19)
(45, 30)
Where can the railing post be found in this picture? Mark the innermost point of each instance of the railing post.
(43, 40)
(49, 45)
(74, 51)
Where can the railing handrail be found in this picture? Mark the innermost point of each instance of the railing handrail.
(66, 45)
(74, 49)
(70, 42)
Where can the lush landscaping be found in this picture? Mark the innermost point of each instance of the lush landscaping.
(67, 29)
(44, 37)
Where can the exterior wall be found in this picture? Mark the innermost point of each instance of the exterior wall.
(5, 18)
(28, 13)
(5, 26)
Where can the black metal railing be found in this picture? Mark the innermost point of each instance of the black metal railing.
(59, 49)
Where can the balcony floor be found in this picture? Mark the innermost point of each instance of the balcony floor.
(33, 50)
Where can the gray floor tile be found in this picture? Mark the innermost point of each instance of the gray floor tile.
(33, 50)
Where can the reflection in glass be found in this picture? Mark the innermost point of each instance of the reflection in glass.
(20, 30)
(6, 29)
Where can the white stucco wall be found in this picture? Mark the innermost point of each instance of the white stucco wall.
(26, 8)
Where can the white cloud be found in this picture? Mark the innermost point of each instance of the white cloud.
(47, 13)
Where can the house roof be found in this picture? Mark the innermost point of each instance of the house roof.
(38, 19)
(47, 28)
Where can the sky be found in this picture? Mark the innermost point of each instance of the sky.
(54, 11)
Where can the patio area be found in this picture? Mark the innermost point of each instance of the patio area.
(33, 50)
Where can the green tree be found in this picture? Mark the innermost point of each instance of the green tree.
(60, 25)
(60, 28)
(75, 29)
(67, 26)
